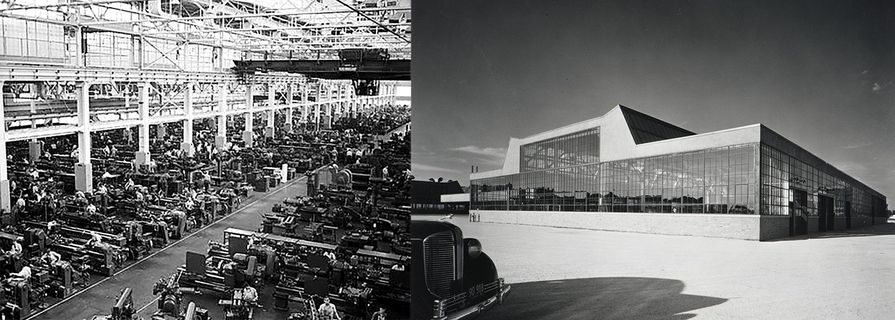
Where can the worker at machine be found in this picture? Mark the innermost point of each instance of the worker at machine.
(95, 239)
(91, 209)
(250, 295)
(103, 192)
(24, 274)
(379, 315)
(51, 257)
(19, 207)
(129, 184)
(208, 181)
(16, 249)
(52, 226)
(327, 311)
(331, 255)
(80, 199)
(138, 197)
(106, 175)
(32, 171)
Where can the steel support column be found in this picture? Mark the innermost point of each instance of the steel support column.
(271, 114)
(290, 95)
(247, 134)
(83, 169)
(142, 155)
(187, 143)
(305, 108)
(220, 140)
(5, 199)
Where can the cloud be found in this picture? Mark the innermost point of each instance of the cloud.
(416, 166)
(415, 153)
(858, 145)
(486, 151)
(850, 167)
(876, 87)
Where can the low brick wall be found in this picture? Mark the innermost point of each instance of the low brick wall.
(735, 226)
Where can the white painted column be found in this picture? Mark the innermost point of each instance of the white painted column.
(328, 120)
(317, 105)
(33, 145)
(247, 133)
(142, 155)
(220, 140)
(306, 107)
(290, 95)
(187, 145)
(271, 114)
(83, 169)
(5, 199)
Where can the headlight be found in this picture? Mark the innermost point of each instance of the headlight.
(473, 247)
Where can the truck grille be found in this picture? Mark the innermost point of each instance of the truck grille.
(439, 263)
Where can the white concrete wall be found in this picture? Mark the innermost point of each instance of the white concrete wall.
(708, 225)
(457, 197)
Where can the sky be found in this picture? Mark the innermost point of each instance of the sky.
(820, 73)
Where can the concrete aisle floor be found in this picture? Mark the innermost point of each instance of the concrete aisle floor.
(586, 274)
(141, 276)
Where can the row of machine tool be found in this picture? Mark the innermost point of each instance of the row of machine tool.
(70, 238)
(343, 247)
(124, 309)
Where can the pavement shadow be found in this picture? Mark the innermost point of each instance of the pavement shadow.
(600, 298)
(885, 229)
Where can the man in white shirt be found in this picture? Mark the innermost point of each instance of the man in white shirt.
(25, 273)
(249, 294)
(51, 257)
(91, 209)
(95, 239)
(380, 315)
(328, 311)
(16, 248)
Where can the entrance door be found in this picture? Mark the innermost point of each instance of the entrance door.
(798, 213)
(824, 213)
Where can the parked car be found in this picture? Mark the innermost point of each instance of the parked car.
(452, 278)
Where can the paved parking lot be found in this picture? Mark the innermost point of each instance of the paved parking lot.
(585, 274)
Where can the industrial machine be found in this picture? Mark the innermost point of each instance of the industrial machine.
(451, 277)
(123, 309)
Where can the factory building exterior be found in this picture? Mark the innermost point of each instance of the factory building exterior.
(628, 171)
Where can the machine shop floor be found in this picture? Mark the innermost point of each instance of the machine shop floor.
(559, 273)
(142, 275)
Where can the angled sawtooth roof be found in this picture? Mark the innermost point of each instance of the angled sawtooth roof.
(645, 128)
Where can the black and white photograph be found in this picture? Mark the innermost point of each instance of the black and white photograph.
(205, 159)
(653, 160)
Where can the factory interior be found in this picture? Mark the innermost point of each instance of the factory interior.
(205, 159)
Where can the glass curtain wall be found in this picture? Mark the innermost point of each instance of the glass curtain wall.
(719, 180)
(782, 173)
(573, 149)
